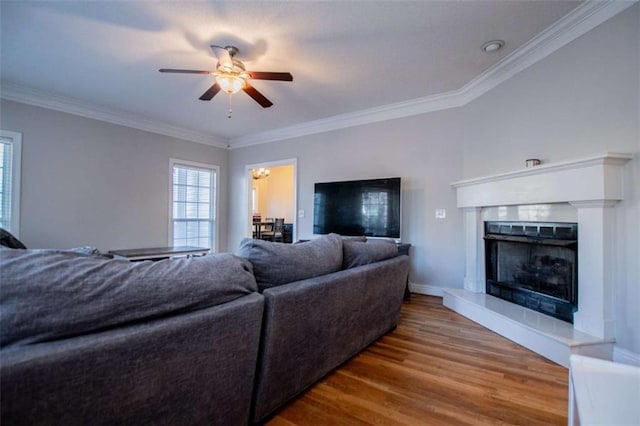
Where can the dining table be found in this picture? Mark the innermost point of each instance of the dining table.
(259, 226)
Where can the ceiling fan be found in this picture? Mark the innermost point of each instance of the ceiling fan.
(231, 76)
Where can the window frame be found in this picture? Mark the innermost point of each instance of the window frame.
(215, 197)
(16, 176)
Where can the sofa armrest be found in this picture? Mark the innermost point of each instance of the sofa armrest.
(194, 368)
(312, 326)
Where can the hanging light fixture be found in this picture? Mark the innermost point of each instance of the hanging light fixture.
(260, 173)
(231, 77)
(230, 74)
(230, 83)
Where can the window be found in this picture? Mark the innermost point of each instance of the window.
(10, 157)
(193, 204)
(254, 200)
(375, 208)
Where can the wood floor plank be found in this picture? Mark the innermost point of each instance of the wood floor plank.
(436, 368)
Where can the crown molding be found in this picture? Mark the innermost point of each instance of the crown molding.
(386, 112)
(581, 20)
(54, 101)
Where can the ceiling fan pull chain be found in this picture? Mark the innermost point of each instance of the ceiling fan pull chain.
(230, 110)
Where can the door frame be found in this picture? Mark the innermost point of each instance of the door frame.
(266, 164)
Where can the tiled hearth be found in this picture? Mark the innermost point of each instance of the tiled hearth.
(584, 190)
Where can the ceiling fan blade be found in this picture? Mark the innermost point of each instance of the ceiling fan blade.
(279, 76)
(210, 93)
(185, 71)
(257, 96)
(224, 58)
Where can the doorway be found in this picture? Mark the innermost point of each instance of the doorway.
(272, 193)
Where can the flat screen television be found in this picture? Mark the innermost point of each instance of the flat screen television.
(358, 207)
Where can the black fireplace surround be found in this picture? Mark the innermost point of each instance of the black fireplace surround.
(534, 264)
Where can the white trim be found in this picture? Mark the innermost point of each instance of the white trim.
(216, 170)
(247, 173)
(57, 102)
(386, 112)
(625, 356)
(16, 178)
(427, 289)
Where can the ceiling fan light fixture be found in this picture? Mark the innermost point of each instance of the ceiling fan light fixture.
(230, 83)
(232, 77)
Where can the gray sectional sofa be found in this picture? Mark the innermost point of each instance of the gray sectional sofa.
(88, 340)
(221, 339)
(325, 301)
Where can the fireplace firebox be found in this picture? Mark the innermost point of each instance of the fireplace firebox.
(534, 264)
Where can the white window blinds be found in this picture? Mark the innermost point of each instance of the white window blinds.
(193, 205)
(10, 152)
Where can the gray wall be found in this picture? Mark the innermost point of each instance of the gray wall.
(425, 151)
(87, 182)
(580, 101)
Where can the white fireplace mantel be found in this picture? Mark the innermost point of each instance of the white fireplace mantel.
(589, 179)
(592, 186)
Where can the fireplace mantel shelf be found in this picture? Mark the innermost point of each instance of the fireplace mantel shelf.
(609, 158)
(589, 179)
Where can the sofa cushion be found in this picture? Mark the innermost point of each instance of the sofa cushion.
(361, 238)
(277, 263)
(88, 250)
(52, 294)
(8, 240)
(357, 253)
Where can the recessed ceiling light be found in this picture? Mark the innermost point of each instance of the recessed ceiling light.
(492, 46)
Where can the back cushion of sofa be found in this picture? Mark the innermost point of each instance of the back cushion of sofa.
(51, 294)
(277, 263)
(357, 253)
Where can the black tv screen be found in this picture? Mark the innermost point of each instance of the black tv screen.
(358, 207)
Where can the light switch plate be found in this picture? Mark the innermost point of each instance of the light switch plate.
(301, 213)
(441, 213)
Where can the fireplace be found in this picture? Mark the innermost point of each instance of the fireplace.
(533, 264)
(587, 192)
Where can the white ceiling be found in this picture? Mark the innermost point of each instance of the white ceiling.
(346, 57)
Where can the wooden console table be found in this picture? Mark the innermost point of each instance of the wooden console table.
(158, 253)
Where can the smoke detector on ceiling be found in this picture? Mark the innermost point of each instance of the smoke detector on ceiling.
(492, 46)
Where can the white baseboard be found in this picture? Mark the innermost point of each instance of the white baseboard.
(625, 356)
(429, 290)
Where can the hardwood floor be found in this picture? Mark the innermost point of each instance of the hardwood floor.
(436, 368)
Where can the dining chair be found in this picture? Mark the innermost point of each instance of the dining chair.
(276, 234)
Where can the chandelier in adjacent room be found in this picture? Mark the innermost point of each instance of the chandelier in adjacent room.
(260, 173)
